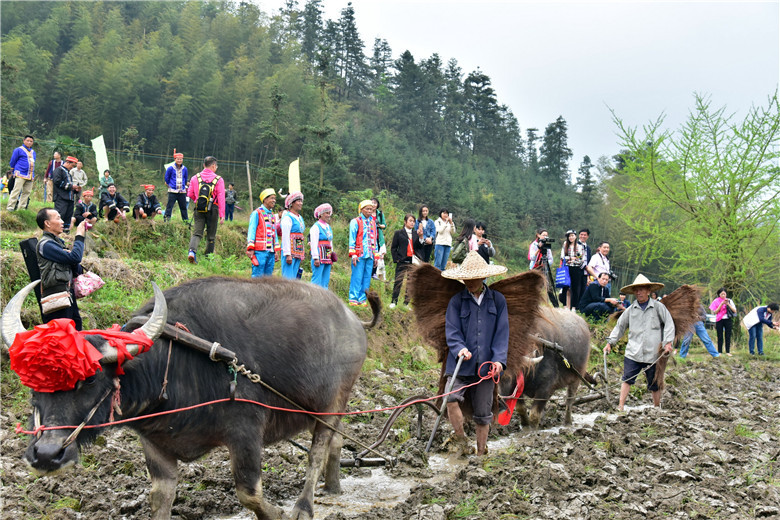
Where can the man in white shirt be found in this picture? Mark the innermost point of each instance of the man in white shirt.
(649, 325)
(79, 177)
(599, 262)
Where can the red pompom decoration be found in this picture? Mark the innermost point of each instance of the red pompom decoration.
(53, 356)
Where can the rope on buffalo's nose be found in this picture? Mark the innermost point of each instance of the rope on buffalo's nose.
(75, 433)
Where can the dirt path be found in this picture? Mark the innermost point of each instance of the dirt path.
(711, 452)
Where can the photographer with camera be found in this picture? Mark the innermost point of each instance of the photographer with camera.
(540, 250)
(599, 263)
(540, 258)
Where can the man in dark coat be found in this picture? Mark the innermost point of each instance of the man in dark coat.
(64, 190)
(596, 302)
(113, 204)
(477, 330)
(85, 210)
(59, 266)
(147, 206)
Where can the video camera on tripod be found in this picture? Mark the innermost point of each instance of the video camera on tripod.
(546, 243)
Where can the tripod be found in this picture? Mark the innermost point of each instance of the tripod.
(548, 278)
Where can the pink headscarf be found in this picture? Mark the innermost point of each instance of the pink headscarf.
(292, 197)
(322, 208)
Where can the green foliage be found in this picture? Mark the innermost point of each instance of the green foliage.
(268, 90)
(743, 430)
(703, 201)
(68, 503)
(469, 508)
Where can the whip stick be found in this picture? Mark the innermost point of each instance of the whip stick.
(606, 384)
(444, 403)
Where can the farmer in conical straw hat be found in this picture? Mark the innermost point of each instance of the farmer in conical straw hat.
(650, 325)
(477, 328)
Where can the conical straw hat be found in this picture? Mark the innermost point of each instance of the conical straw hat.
(642, 281)
(473, 267)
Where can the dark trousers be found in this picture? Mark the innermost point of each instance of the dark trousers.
(209, 222)
(173, 198)
(400, 272)
(65, 208)
(597, 309)
(722, 326)
(229, 211)
(425, 252)
(577, 285)
(71, 313)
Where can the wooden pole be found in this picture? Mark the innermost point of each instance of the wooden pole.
(249, 182)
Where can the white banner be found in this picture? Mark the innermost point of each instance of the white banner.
(101, 158)
(294, 177)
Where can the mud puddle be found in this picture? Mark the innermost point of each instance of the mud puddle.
(376, 488)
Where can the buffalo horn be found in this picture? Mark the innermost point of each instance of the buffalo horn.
(153, 327)
(12, 320)
(533, 360)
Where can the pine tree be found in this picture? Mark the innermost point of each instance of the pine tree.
(532, 152)
(555, 153)
(381, 61)
(311, 29)
(351, 64)
(585, 183)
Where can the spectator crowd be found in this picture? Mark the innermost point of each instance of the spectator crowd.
(581, 280)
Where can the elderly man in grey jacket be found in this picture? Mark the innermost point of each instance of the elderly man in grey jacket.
(650, 325)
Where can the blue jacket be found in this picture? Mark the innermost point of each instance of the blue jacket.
(429, 231)
(170, 178)
(20, 163)
(763, 319)
(483, 329)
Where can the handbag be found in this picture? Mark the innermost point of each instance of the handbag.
(55, 302)
(729, 313)
(87, 283)
(562, 277)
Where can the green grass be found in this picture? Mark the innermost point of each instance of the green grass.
(742, 430)
(469, 508)
(68, 503)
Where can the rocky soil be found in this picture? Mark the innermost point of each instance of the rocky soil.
(711, 452)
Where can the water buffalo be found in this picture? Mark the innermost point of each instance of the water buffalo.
(570, 331)
(301, 339)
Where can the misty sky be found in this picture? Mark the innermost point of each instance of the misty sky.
(578, 59)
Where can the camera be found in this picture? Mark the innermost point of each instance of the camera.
(545, 243)
(612, 275)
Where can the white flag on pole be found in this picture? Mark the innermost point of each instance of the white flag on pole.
(294, 177)
(101, 158)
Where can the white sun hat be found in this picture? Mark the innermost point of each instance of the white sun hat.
(472, 268)
(642, 281)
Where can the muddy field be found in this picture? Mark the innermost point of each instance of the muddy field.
(711, 452)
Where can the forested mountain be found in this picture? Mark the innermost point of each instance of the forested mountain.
(226, 79)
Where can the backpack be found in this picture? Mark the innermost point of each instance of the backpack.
(205, 194)
(459, 252)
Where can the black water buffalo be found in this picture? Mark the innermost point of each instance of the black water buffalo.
(302, 340)
(570, 331)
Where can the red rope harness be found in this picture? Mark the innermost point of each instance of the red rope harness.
(492, 374)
